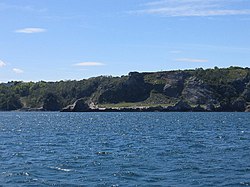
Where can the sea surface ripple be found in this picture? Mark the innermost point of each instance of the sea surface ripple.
(124, 149)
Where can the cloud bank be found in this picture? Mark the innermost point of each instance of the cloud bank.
(202, 8)
(30, 30)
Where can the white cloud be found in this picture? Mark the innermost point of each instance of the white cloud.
(18, 71)
(185, 8)
(89, 64)
(190, 60)
(2, 64)
(30, 30)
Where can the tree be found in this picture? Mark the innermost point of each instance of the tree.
(51, 102)
(11, 102)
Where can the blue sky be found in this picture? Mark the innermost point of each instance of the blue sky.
(75, 39)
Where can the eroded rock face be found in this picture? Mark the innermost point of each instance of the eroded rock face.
(173, 88)
(181, 106)
(79, 105)
(239, 105)
(174, 84)
(209, 107)
(51, 103)
(247, 108)
(197, 92)
(198, 108)
(134, 89)
(246, 92)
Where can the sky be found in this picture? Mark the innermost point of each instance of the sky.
(56, 40)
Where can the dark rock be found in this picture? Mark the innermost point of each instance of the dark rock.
(134, 74)
(180, 106)
(152, 109)
(246, 92)
(239, 105)
(79, 105)
(51, 103)
(238, 85)
(198, 108)
(224, 106)
(247, 108)
(134, 89)
(173, 88)
(209, 107)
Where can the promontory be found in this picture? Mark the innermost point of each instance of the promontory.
(214, 89)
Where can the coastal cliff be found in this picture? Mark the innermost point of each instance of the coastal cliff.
(225, 89)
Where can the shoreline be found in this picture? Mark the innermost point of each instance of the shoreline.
(134, 109)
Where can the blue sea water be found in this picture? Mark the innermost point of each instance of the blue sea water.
(124, 149)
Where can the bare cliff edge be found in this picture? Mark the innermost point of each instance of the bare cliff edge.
(226, 89)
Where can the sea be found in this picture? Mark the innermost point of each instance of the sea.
(124, 149)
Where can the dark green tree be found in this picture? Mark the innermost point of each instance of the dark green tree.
(51, 102)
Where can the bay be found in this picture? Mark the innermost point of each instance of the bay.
(124, 149)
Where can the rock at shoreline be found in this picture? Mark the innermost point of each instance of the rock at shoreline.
(239, 105)
(209, 107)
(79, 105)
(24, 109)
(181, 106)
(247, 108)
(51, 103)
(246, 92)
(218, 89)
(198, 108)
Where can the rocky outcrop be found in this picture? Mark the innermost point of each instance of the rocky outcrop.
(133, 89)
(225, 89)
(173, 88)
(79, 105)
(25, 109)
(181, 106)
(209, 107)
(174, 84)
(239, 105)
(197, 92)
(247, 108)
(51, 103)
(198, 108)
(246, 92)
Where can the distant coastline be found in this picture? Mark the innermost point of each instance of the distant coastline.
(199, 90)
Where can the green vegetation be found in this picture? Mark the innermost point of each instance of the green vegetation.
(226, 87)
